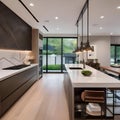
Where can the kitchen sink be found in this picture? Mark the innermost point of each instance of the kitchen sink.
(75, 68)
(16, 67)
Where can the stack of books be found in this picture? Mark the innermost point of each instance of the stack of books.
(94, 109)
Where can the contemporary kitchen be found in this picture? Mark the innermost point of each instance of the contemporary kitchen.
(59, 60)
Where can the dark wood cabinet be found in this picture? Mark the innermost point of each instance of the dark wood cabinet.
(15, 34)
(11, 89)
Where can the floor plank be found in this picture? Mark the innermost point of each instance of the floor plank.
(45, 100)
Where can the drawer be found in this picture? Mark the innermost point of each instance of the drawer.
(9, 85)
(9, 101)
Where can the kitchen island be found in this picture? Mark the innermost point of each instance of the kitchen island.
(75, 83)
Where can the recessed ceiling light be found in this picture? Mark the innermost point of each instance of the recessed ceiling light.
(111, 33)
(101, 28)
(56, 18)
(101, 17)
(31, 4)
(118, 7)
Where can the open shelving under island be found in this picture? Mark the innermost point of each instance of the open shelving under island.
(75, 84)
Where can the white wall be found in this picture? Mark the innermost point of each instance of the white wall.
(102, 48)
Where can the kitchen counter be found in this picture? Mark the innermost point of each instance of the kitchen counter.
(97, 79)
(75, 83)
(8, 73)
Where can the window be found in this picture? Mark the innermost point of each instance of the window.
(58, 51)
(115, 54)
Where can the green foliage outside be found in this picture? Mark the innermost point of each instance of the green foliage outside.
(69, 45)
(52, 67)
(54, 47)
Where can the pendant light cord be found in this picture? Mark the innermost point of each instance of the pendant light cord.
(87, 21)
(82, 26)
(77, 35)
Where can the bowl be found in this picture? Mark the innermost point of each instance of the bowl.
(86, 72)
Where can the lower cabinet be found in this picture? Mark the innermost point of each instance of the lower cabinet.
(12, 88)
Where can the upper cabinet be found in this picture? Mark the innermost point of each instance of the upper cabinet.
(15, 34)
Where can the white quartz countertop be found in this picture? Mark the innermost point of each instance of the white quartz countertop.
(8, 73)
(97, 79)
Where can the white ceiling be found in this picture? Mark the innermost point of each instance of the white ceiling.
(111, 21)
(68, 12)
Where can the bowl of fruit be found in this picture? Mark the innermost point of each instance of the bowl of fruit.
(86, 72)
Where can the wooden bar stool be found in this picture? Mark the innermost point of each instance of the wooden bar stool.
(95, 97)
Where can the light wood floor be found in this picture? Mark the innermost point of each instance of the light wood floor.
(45, 100)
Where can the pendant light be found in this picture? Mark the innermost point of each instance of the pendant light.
(87, 45)
(81, 44)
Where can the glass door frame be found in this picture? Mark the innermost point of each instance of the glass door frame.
(61, 52)
(115, 56)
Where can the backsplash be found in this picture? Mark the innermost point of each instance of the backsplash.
(11, 57)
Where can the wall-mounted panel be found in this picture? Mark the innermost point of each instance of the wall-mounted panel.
(14, 32)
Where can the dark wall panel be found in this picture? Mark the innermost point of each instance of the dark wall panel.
(14, 32)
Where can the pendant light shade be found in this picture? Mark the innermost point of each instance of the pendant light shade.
(83, 46)
(87, 45)
(77, 51)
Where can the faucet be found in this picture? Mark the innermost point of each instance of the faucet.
(83, 64)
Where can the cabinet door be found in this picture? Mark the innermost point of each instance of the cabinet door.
(14, 32)
(9, 85)
(11, 89)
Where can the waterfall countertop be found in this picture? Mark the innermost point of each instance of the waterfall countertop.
(97, 79)
(8, 73)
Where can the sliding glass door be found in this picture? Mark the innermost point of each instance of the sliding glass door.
(57, 52)
(54, 55)
(115, 54)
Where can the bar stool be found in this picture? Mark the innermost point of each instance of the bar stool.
(94, 97)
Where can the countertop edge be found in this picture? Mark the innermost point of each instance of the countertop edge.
(10, 73)
(99, 79)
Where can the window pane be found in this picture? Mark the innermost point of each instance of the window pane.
(112, 50)
(54, 54)
(118, 54)
(57, 52)
(69, 45)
